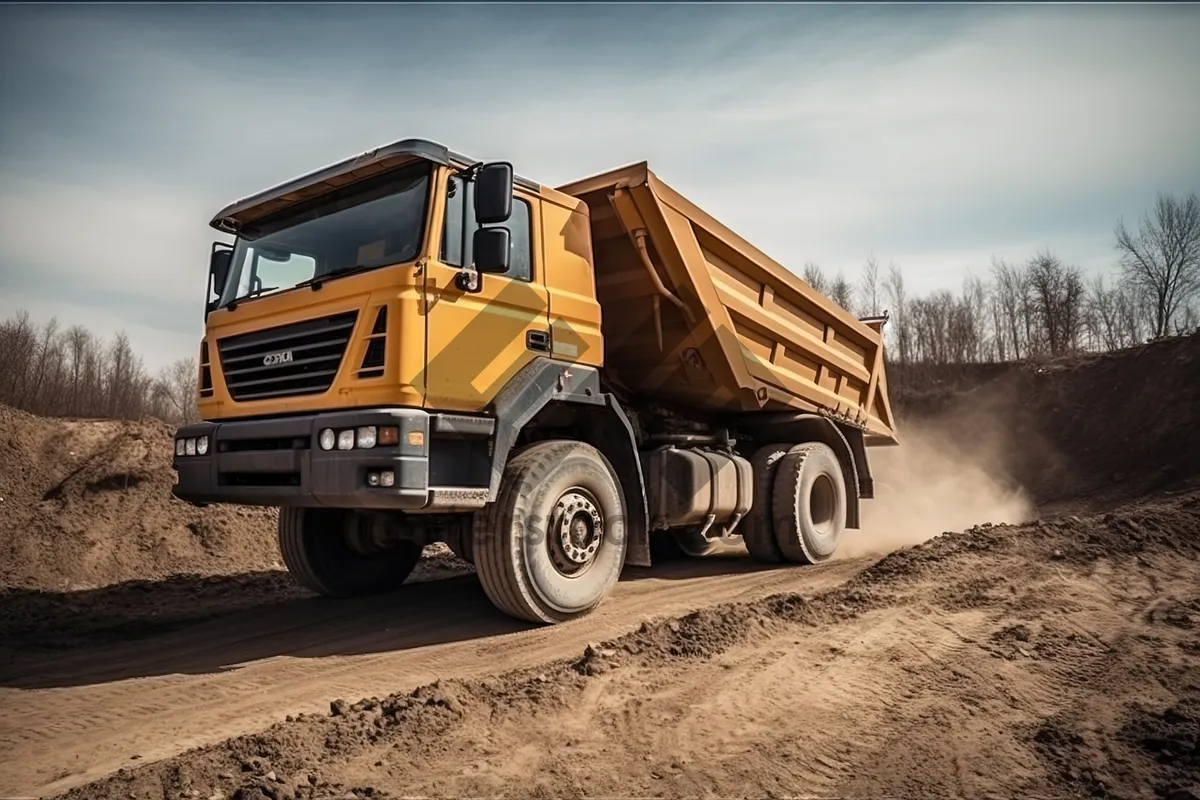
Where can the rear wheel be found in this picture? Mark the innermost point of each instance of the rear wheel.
(693, 544)
(809, 503)
(553, 544)
(758, 528)
(341, 554)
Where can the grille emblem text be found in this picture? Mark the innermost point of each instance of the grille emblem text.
(277, 358)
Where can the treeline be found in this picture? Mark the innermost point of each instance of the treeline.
(1043, 306)
(1040, 307)
(71, 372)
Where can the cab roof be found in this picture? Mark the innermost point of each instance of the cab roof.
(343, 173)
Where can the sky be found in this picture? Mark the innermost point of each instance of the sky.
(930, 136)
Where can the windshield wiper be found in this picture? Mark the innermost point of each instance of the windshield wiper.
(232, 304)
(317, 280)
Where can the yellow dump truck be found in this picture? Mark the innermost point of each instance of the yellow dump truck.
(410, 346)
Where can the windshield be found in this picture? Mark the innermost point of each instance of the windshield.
(377, 222)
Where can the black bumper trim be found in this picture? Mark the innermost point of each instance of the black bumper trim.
(279, 462)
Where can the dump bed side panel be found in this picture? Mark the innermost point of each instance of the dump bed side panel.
(713, 323)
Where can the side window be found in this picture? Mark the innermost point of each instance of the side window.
(520, 264)
(452, 228)
(520, 260)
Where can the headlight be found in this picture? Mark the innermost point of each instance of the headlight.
(190, 447)
(346, 440)
(328, 439)
(202, 445)
(366, 437)
(179, 447)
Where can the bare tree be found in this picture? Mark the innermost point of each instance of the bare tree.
(1103, 318)
(897, 298)
(868, 288)
(1012, 293)
(1189, 322)
(1163, 256)
(841, 291)
(79, 346)
(176, 389)
(974, 315)
(1058, 294)
(18, 344)
(814, 277)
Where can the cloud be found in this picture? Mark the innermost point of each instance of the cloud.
(931, 136)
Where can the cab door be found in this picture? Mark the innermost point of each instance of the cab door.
(475, 342)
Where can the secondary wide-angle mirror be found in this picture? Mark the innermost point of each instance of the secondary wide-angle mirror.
(492, 247)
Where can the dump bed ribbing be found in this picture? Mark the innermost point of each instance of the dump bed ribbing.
(694, 314)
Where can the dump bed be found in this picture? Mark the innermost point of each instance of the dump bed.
(695, 315)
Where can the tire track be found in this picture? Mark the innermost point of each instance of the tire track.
(241, 672)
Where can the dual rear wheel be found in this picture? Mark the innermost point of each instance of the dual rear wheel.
(800, 503)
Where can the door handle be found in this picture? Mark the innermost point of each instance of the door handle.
(538, 340)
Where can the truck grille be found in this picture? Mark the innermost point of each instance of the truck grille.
(301, 358)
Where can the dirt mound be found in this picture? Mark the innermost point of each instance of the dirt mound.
(1063, 653)
(86, 503)
(1104, 428)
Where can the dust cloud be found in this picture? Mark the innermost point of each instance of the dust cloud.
(937, 480)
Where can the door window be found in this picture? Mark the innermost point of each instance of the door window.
(520, 260)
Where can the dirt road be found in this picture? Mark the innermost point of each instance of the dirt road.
(81, 715)
(1053, 659)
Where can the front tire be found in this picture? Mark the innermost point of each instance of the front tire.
(809, 504)
(459, 542)
(333, 552)
(552, 545)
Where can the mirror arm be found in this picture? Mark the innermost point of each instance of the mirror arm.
(466, 215)
(469, 172)
(469, 280)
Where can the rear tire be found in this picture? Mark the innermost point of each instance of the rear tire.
(809, 504)
(758, 528)
(553, 543)
(693, 545)
(316, 545)
(665, 547)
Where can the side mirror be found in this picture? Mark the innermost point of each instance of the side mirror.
(494, 193)
(218, 273)
(492, 247)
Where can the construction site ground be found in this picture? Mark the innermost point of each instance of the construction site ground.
(1019, 616)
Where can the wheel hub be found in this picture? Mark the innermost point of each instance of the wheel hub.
(576, 531)
(367, 536)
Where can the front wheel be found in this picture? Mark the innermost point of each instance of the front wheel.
(340, 554)
(553, 543)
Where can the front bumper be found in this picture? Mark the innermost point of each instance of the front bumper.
(279, 462)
